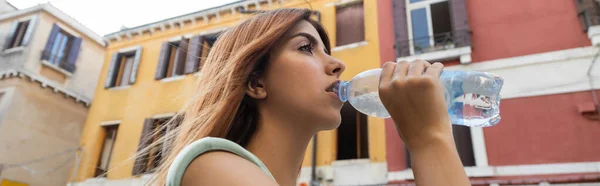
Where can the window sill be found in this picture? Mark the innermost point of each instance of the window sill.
(474, 171)
(342, 3)
(349, 46)
(462, 53)
(174, 78)
(119, 88)
(13, 50)
(52, 66)
(350, 162)
(594, 35)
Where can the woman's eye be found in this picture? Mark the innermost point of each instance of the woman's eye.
(306, 48)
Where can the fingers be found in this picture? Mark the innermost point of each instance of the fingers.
(401, 69)
(387, 72)
(418, 67)
(434, 70)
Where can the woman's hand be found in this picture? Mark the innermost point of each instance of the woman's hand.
(413, 95)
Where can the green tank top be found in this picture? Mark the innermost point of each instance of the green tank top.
(204, 145)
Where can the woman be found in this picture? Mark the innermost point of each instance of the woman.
(266, 89)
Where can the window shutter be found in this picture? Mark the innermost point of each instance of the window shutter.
(145, 141)
(11, 34)
(460, 23)
(30, 29)
(350, 24)
(51, 38)
(194, 53)
(162, 60)
(181, 56)
(401, 45)
(110, 77)
(73, 53)
(136, 65)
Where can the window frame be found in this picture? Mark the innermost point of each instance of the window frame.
(418, 5)
(106, 129)
(113, 76)
(19, 31)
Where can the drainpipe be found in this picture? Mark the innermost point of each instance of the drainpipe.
(313, 174)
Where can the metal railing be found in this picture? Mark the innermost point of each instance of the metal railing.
(62, 62)
(437, 42)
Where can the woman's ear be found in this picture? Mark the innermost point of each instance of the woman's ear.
(256, 88)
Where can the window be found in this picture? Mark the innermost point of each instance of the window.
(62, 49)
(154, 129)
(586, 9)
(172, 59)
(349, 24)
(18, 35)
(123, 68)
(464, 146)
(107, 149)
(184, 56)
(429, 25)
(352, 135)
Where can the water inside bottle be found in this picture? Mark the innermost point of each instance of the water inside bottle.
(369, 104)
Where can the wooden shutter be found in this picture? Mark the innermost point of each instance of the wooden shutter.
(460, 23)
(11, 34)
(112, 69)
(145, 141)
(163, 59)
(48, 49)
(192, 63)
(350, 24)
(136, 65)
(181, 56)
(30, 29)
(73, 53)
(401, 45)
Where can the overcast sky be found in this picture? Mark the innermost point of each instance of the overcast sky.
(107, 16)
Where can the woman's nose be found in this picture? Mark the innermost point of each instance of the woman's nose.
(335, 67)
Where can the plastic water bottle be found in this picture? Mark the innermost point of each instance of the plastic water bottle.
(472, 97)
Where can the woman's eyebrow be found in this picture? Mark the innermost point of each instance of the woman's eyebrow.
(310, 38)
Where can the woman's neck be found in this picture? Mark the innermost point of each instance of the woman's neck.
(280, 147)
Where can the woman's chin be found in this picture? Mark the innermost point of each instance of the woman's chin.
(332, 121)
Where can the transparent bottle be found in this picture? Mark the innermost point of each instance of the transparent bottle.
(472, 97)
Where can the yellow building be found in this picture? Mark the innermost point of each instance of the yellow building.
(145, 81)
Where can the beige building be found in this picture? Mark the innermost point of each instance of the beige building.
(49, 68)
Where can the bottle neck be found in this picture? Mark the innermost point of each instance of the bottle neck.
(341, 89)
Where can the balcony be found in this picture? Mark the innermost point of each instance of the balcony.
(58, 63)
(438, 47)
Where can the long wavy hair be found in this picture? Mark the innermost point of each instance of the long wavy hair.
(220, 106)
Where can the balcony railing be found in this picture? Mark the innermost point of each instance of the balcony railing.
(62, 62)
(437, 42)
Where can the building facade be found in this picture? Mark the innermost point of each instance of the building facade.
(48, 61)
(544, 50)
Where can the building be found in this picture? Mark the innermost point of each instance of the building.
(146, 78)
(543, 49)
(49, 65)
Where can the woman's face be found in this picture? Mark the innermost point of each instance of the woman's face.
(299, 79)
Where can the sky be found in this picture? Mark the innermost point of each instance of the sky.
(108, 16)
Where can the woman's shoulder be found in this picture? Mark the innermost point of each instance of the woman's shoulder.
(217, 159)
(224, 168)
